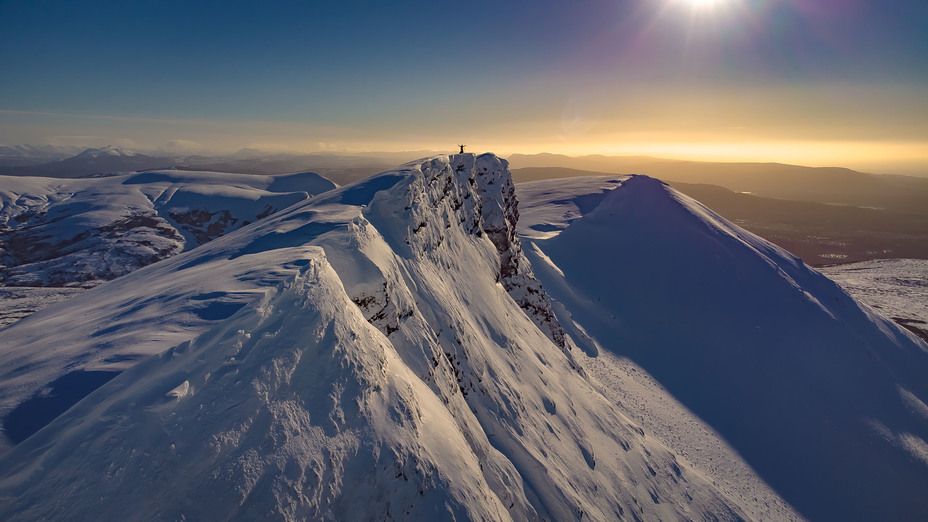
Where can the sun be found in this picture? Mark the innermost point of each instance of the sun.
(702, 6)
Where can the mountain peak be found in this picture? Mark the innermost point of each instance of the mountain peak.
(788, 368)
(107, 151)
(396, 359)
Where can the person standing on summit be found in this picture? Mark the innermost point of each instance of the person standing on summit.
(462, 148)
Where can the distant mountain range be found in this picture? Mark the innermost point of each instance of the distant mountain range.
(94, 161)
(48, 161)
(831, 185)
(22, 155)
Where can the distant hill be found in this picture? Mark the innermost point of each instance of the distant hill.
(817, 232)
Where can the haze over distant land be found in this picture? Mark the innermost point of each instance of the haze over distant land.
(829, 83)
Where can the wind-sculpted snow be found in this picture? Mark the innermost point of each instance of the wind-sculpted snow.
(823, 398)
(67, 232)
(296, 408)
(395, 366)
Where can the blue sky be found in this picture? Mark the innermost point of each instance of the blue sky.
(760, 79)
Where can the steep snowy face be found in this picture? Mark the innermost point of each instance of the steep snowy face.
(297, 409)
(396, 374)
(56, 232)
(823, 398)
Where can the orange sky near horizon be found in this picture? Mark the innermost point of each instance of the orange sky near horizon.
(830, 82)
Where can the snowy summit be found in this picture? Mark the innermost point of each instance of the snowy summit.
(108, 151)
(387, 350)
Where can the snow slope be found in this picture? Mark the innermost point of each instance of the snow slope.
(398, 360)
(897, 288)
(824, 399)
(19, 302)
(61, 232)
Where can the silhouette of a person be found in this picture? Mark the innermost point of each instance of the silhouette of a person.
(462, 148)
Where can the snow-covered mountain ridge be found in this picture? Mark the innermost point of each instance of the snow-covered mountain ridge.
(22, 155)
(386, 350)
(109, 150)
(62, 232)
(822, 397)
(397, 359)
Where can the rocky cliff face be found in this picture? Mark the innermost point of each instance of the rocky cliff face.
(500, 216)
(474, 195)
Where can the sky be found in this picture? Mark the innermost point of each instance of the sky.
(819, 82)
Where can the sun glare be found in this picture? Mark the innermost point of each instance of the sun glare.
(703, 3)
